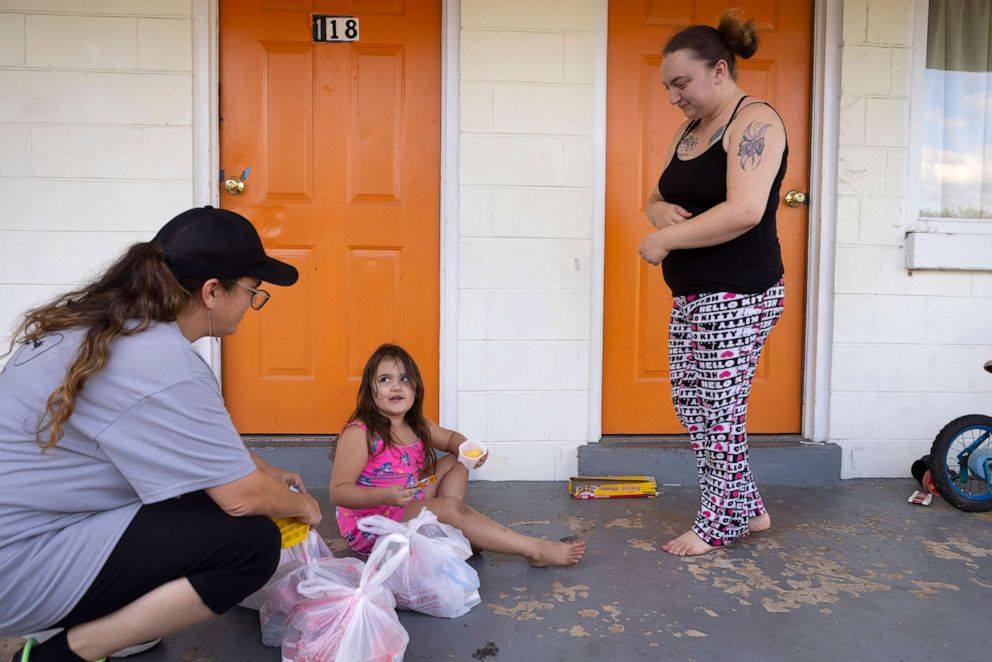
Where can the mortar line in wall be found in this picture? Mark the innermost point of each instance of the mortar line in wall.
(151, 72)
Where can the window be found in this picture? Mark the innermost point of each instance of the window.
(956, 158)
(950, 224)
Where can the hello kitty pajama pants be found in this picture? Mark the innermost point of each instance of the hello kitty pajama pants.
(715, 340)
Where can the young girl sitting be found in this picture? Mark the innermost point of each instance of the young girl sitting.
(388, 446)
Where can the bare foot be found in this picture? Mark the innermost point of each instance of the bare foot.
(687, 544)
(558, 553)
(762, 522)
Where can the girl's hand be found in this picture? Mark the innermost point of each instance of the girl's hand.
(397, 495)
(653, 248)
(482, 460)
(662, 214)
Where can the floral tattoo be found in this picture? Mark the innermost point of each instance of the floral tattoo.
(752, 145)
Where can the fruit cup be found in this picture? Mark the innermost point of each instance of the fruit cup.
(470, 452)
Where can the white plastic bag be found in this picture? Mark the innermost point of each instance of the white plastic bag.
(434, 579)
(290, 558)
(348, 618)
(275, 600)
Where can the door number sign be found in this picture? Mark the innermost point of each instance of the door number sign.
(334, 28)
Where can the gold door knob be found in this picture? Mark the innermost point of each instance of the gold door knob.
(235, 185)
(795, 198)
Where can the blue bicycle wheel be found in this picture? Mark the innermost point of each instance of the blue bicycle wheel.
(960, 462)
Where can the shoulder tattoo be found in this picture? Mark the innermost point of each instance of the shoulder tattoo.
(752, 145)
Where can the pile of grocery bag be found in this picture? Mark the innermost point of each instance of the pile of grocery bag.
(319, 608)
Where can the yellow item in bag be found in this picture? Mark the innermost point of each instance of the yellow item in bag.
(293, 530)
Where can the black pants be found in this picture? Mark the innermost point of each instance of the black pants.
(225, 558)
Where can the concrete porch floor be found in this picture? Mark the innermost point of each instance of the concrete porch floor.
(849, 572)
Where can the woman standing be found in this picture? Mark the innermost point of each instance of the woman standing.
(715, 237)
(129, 506)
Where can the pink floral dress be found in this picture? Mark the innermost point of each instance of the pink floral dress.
(385, 467)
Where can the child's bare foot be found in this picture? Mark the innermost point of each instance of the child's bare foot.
(762, 522)
(550, 553)
(687, 544)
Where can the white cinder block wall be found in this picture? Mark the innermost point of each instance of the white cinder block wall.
(525, 233)
(908, 347)
(95, 137)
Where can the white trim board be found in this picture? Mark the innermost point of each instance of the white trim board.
(828, 28)
(450, 128)
(206, 130)
(598, 243)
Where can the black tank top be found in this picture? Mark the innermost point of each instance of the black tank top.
(747, 264)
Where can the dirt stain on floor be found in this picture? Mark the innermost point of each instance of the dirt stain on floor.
(965, 551)
(931, 589)
(489, 650)
(528, 523)
(524, 610)
(578, 524)
(644, 545)
(562, 593)
(808, 578)
(635, 522)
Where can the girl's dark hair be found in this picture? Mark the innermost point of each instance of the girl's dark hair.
(732, 37)
(378, 425)
(139, 287)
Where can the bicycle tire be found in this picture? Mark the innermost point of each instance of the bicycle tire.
(941, 471)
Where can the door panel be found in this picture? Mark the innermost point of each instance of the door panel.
(640, 126)
(343, 140)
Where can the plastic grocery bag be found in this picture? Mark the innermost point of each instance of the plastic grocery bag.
(292, 558)
(344, 617)
(434, 579)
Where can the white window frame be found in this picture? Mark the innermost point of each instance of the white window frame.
(935, 243)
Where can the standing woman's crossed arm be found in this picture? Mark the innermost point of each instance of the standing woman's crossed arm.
(755, 143)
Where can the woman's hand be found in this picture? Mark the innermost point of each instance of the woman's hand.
(287, 478)
(397, 495)
(291, 479)
(482, 459)
(662, 214)
(313, 515)
(653, 248)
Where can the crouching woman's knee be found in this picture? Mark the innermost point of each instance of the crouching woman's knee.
(249, 557)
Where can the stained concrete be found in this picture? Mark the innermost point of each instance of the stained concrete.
(849, 572)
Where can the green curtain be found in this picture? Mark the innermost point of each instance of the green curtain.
(958, 35)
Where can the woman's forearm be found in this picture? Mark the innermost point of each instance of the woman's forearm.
(716, 225)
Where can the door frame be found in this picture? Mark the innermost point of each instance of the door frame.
(820, 251)
(206, 183)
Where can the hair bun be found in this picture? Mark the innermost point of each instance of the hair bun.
(740, 36)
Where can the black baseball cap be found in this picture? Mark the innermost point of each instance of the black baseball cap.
(204, 243)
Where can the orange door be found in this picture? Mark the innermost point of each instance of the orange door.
(640, 126)
(343, 141)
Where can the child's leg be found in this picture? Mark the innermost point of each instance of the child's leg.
(452, 479)
(486, 534)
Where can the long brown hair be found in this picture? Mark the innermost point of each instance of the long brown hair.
(377, 424)
(140, 287)
(732, 37)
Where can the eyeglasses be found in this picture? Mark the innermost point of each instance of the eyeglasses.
(258, 297)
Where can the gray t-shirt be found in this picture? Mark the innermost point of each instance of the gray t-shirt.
(149, 427)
